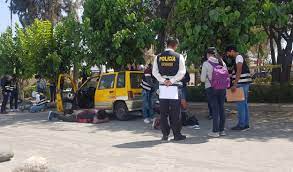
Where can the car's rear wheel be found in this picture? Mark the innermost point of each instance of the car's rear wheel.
(121, 111)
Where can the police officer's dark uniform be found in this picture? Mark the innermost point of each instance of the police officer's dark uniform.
(6, 90)
(170, 65)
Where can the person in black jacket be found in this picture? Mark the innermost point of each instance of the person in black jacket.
(14, 94)
(186, 118)
(6, 90)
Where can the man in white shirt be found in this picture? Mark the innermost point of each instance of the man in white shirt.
(241, 79)
(169, 69)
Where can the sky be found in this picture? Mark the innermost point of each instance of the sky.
(5, 16)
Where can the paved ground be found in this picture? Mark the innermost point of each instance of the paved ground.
(133, 146)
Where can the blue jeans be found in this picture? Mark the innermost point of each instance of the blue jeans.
(242, 107)
(38, 108)
(209, 102)
(147, 104)
(217, 101)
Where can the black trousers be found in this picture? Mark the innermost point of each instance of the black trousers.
(52, 93)
(14, 100)
(4, 102)
(170, 109)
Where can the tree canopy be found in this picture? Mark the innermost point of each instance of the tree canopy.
(117, 32)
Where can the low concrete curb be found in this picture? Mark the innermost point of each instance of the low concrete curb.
(257, 107)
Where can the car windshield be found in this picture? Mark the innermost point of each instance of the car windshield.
(107, 82)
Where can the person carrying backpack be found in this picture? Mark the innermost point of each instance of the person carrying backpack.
(216, 78)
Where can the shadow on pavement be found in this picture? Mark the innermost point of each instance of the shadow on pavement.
(152, 143)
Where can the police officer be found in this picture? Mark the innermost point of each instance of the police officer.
(169, 69)
(6, 90)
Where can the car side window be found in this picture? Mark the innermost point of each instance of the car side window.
(107, 82)
(135, 79)
(121, 80)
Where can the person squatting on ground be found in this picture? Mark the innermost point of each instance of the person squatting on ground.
(187, 118)
(215, 75)
(148, 87)
(41, 102)
(82, 116)
(169, 69)
(6, 91)
(241, 79)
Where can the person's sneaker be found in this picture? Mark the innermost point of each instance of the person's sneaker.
(222, 133)
(50, 116)
(179, 138)
(210, 117)
(165, 138)
(246, 128)
(213, 134)
(11, 110)
(147, 121)
(237, 128)
(196, 127)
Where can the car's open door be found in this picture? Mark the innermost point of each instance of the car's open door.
(64, 79)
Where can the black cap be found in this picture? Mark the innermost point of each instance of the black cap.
(230, 48)
(212, 50)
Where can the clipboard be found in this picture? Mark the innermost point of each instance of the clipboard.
(236, 96)
(170, 92)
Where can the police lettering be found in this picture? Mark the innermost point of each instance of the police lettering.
(168, 58)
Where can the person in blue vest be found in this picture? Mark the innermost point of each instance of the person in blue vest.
(169, 69)
(241, 79)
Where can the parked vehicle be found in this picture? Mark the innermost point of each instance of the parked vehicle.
(118, 92)
(262, 74)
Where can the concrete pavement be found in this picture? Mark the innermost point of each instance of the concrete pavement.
(133, 146)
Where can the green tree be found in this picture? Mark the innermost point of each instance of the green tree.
(39, 48)
(69, 44)
(8, 57)
(276, 17)
(29, 10)
(203, 23)
(116, 31)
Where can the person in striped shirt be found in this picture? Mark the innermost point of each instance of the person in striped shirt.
(241, 78)
(148, 87)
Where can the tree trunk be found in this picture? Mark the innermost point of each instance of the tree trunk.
(286, 62)
(164, 11)
(275, 75)
(75, 73)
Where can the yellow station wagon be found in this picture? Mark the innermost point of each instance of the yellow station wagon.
(119, 92)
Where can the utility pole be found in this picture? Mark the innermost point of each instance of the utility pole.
(11, 14)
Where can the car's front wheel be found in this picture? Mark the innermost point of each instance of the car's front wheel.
(121, 111)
